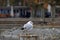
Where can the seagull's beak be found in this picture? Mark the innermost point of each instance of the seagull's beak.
(22, 28)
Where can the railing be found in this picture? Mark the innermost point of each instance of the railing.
(15, 22)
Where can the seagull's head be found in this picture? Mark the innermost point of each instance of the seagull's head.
(30, 22)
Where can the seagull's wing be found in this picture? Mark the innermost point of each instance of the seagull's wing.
(28, 26)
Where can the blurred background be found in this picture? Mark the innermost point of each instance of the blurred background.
(17, 11)
(43, 13)
(29, 8)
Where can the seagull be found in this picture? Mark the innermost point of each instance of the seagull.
(28, 26)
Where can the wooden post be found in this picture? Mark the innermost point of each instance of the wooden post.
(12, 14)
(28, 37)
(53, 14)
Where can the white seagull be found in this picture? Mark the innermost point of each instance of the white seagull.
(28, 26)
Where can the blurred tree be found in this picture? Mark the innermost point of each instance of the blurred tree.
(2, 2)
(17, 2)
(12, 2)
(36, 1)
(57, 2)
(28, 2)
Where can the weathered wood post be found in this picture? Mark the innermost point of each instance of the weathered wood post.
(53, 14)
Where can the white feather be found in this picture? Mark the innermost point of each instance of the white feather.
(28, 26)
